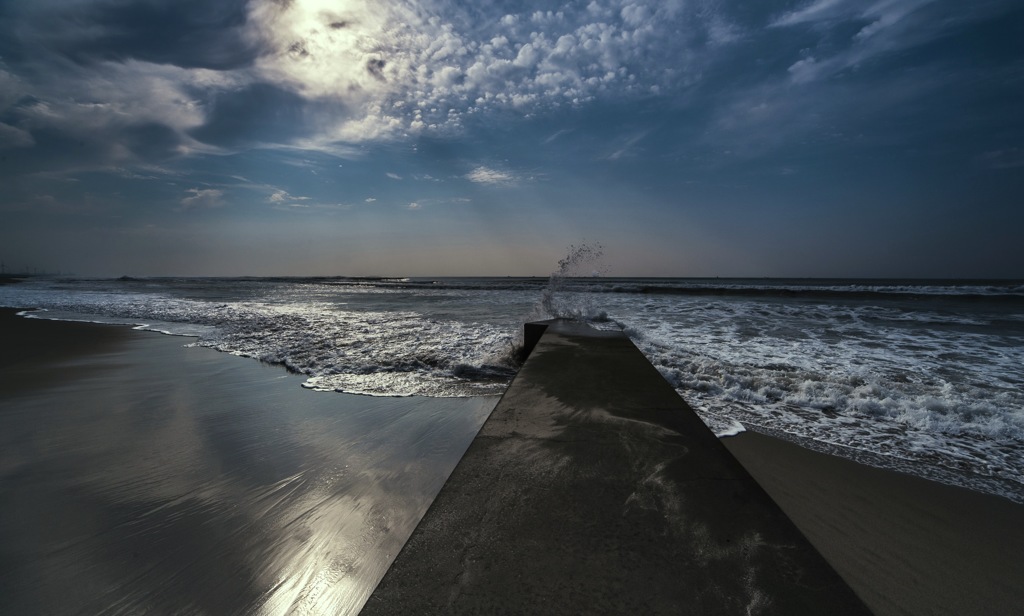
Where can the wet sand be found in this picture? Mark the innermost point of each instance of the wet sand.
(905, 544)
(138, 475)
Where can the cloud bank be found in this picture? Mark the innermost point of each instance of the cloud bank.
(104, 83)
(142, 81)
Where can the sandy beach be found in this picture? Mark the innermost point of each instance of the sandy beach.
(138, 475)
(905, 544)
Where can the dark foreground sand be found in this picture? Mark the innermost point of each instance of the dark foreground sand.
(906, 545)
(139, 476)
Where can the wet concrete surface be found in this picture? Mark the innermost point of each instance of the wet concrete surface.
(593, 488)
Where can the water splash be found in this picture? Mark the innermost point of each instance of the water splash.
(564, 296)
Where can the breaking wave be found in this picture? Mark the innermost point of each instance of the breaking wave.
(922, 376)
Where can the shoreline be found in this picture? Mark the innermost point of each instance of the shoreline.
(143, 476)
(906, 545)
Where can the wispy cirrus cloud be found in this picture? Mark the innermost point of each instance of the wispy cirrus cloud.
(423, 203)
(814, 11)
(879, 28)
(627, 148)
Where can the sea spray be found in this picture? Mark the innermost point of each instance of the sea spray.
(559, 300)
(562, 298)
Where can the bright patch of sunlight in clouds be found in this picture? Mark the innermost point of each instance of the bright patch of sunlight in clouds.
(396, 67)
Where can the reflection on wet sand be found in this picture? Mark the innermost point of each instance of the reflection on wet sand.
(151, 477)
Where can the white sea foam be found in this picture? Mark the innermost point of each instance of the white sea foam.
(732, 429)
(935, 384)
(375, 352)
(848, 376)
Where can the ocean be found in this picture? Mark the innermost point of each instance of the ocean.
(922, 376)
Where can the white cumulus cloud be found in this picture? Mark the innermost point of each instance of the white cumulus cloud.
(202, 198)
(398, 67)
(283, 197)
(494, 177)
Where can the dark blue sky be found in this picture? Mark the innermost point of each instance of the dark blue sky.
(691, 138)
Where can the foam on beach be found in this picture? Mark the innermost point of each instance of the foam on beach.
(165, 479)
(904, 373)
(383, 352)
(732, 429)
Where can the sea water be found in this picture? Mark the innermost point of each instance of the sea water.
(923, 376)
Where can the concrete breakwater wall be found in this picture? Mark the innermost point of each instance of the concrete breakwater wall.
(594, 488)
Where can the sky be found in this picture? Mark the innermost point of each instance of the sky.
(821, 138)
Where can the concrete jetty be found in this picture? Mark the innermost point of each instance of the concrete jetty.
(594, 488)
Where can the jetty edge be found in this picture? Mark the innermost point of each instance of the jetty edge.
(594, 488)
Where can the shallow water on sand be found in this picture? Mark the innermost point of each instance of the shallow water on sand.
(156, 478)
